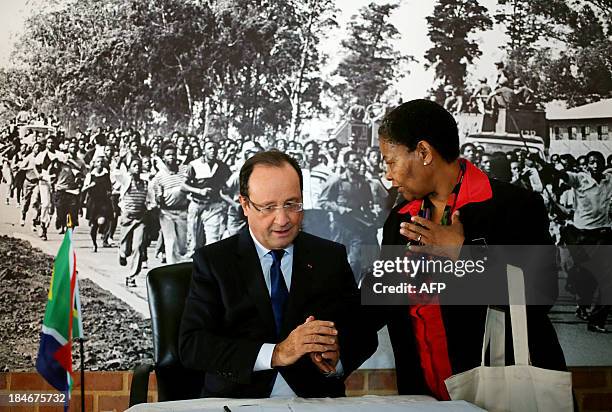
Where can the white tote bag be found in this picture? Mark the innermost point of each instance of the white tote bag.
(517, 388)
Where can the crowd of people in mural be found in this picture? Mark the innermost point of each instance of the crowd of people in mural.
(179, 192)
(173, 194)
(578, 194)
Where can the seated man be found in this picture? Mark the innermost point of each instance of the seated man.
(273, 311)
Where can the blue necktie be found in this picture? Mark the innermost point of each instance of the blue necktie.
(278, 289)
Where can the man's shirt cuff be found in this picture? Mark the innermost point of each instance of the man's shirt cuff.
(264, 357)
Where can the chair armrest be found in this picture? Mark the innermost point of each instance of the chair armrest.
(140, 383)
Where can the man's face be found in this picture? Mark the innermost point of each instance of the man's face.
(405, 170)
(485, 164)
(169, 157)
(269, 142)
(134, 148)
(311, 152)
(36, 148)
(281, 144)
(469, 154)
(72, 149)
(231, 149)
(595, 165)
(374, 158)
(332, 148)
(181, 143)
(210, 151)
(353, 163)
(196, 152)
(515, 167)
(135, 168)
(275, 186)
(49, 144)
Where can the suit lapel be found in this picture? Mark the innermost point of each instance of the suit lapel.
(249, 268)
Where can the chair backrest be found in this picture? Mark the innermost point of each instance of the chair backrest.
(167, 288)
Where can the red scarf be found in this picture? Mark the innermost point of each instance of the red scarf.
(427, 322)
(474, 188)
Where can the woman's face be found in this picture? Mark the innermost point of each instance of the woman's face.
(469, 153)
(98, 163)
(406, 171)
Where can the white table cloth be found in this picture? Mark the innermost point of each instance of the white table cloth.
(405, 403)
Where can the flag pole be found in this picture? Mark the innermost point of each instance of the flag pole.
(82, 352)
(81, 340)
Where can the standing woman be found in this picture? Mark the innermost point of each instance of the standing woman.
(7, 154)
(98, 187)
(450, 202)
(18, 173)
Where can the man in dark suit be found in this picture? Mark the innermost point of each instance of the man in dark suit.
(451, 203)
(272, 311)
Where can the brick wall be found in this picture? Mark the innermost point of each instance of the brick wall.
(593, 388)
(104, 391)
(109, 391)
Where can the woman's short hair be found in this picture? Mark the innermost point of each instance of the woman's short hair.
(421, 119)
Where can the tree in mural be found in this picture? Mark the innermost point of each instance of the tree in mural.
(528, 21)
(371, 64)
(297, 61)
(451, 29)
(582, 71)
(251, 64)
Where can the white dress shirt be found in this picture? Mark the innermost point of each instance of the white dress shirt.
(264, 357)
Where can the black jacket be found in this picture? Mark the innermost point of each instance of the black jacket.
(513, 216)
(228, 316)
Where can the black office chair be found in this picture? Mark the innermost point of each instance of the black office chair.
(167, 288)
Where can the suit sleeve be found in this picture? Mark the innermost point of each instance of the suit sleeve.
(202, 342)
(357, 341)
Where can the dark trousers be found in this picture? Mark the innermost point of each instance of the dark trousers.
(589, 274)
(66, 204)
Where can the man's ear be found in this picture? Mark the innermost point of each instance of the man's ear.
(245, 205)
(425, 152)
